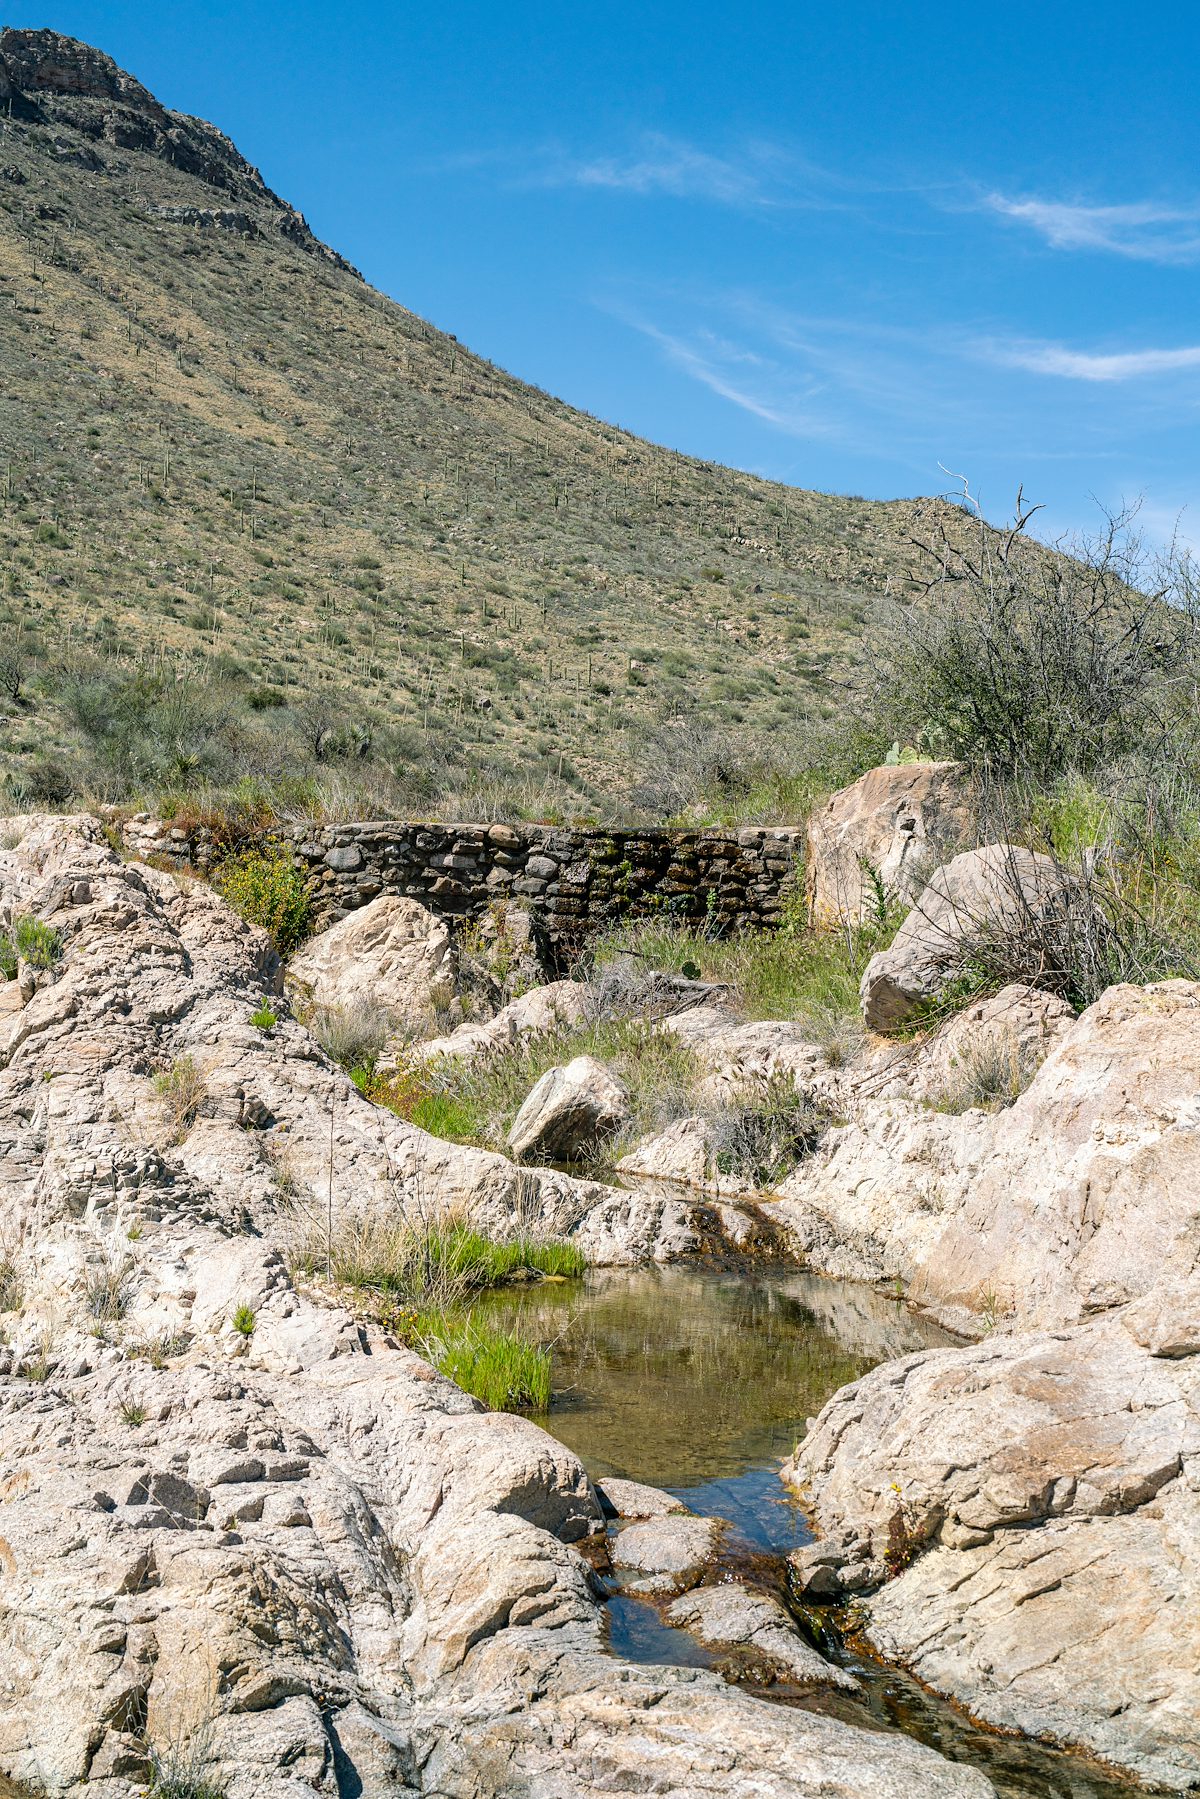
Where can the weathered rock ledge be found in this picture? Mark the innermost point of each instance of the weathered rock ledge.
(1021, 1521)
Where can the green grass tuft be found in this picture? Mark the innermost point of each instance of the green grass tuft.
(501, 1368)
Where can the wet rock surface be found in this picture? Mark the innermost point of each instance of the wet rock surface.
(665, 1552)
(733, 1615)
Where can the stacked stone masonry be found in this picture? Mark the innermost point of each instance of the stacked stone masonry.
(574, 880)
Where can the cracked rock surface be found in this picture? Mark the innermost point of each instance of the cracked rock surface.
(234, 1517)
(1081, 1196)
(1023, 1517)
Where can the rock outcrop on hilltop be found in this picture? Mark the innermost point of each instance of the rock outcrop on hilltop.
(240, 1526)
(57, 80)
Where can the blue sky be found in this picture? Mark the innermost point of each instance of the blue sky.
(837, 245)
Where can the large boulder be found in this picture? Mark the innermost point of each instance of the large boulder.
(1001, 891)
(392, 953)
(885, 833)
(1079, 1196)
(1021, 1522)
(568, 1111)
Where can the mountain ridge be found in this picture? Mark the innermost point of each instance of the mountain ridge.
(228, 455)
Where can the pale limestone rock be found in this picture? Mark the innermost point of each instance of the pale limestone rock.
(733, 1615)
(682, 1153)
(570, 1110)
(1038, 1499)
(896, 823)
(554, 1007)
(299, 1543)
(392, 953)
(741, 1059)
(1083, 1194)
(634, 1499)
(996, 889)
(159, 971)
(1012, 1031)
(667, 1551)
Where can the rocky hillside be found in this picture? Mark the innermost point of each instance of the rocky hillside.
(225, 457)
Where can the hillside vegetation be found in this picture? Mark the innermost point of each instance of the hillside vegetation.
(268, 537)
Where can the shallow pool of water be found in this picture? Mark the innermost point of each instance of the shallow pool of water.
(701, 1380)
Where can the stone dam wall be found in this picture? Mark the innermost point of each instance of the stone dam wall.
(574, 880)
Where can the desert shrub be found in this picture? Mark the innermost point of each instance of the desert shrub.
(989, 1071)
(179, 1769)
(764, 1139)
(475, 1099)
(702, 773)
(11, 1292)
(1017, 658)
(354, 1035)
(1130, 837)
(28, 940)
(264, 885)
(792, 972)
(108, 1285)
(432, 1264)
(36, 943)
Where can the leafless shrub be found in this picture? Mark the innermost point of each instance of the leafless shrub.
(14, 665)
(764, 1139)
(1020, 658)
(1083, 929)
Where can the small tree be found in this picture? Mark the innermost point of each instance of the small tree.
(1025, 658)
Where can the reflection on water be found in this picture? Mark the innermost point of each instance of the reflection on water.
(700, 1381)
(682, 1376)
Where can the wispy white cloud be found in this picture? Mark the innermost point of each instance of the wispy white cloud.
(664, 165)
(1146, 231)
(1088, 365)
(707, 359)
(752, 176)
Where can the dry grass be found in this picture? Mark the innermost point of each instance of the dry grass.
(286, 499)
(182, 1090)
